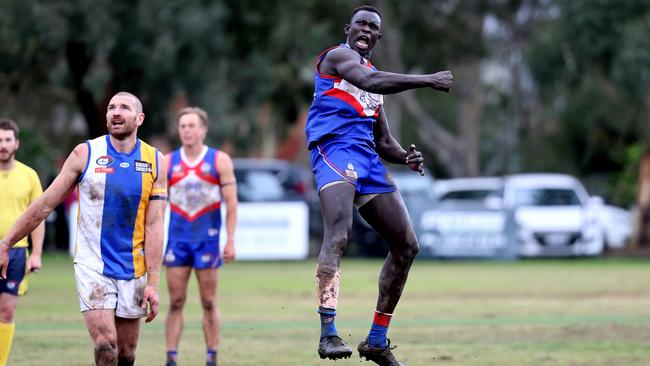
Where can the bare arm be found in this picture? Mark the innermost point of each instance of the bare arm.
(390, 150)
(43, 205)
(38, 235)
(346, 63)
(229, 194)
(153, 238)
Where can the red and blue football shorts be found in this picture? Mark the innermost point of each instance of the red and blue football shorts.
(356, 163)
(198, 254)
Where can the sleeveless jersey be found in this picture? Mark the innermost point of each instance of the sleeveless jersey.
(194, 197)
(114, 191)
(340, 108)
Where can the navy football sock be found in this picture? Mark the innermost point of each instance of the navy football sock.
(172, 355)
(327, 326)
(211, 355)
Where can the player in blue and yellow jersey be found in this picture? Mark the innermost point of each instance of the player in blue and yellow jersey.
(19, 186)
(199, 179)
(122, 183)
(347, 133)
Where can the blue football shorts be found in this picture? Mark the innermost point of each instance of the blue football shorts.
(15, 271)
(198, 255)
(352, 162)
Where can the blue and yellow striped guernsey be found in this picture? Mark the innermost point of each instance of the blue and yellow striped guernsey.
(114, 191)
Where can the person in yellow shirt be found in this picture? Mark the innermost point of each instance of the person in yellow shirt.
(19, 186)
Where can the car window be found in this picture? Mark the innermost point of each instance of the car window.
(546, 197)
(414, 186)
(470, 194)
(258, 186)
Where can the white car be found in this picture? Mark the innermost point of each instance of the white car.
(487, 190)
(554, 215)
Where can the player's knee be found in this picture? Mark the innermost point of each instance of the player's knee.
(177, 303)
(408, 250)
(208, 304)
(339, 241)
(126, 360)
(7, 314)
(106, 352)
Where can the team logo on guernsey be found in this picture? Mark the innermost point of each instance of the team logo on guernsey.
(213, 232)
(104, 160)
(205, 167)
(142, 166)
(176, 169)
(350, 171)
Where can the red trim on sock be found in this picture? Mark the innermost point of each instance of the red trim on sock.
(382, 319)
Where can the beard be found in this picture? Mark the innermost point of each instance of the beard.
(7, 156)
(123, 131)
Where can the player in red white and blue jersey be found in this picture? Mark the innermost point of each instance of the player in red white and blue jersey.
(200, 178)
(347, 133)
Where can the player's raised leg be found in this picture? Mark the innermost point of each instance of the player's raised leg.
(336, 206)
(387, 214)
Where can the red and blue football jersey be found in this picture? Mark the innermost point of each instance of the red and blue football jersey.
(340, 108)
(194, 197)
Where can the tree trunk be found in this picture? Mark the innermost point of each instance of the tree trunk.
(643, 223)
(78, 64)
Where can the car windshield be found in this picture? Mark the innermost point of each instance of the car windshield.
(469, 194)
(546, 197)
(258, 186)
(413, 186)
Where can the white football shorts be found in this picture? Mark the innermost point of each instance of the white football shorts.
(97, 291)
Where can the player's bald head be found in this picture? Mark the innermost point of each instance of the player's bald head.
(136, 101)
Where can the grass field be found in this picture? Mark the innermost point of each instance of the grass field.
(575, 312)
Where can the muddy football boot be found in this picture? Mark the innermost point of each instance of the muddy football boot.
(380, 356)
(333, 347)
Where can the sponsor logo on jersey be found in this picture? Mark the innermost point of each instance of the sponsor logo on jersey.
(104, 160)
(103, 169)
(213, 232)
(124, 164)
(142, 166)
(205, 167)
(176, 168)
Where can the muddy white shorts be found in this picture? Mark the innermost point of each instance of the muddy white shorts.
(97, 291)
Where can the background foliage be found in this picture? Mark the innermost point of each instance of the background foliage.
(540, 85)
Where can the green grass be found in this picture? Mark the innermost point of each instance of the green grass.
(575, 312)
